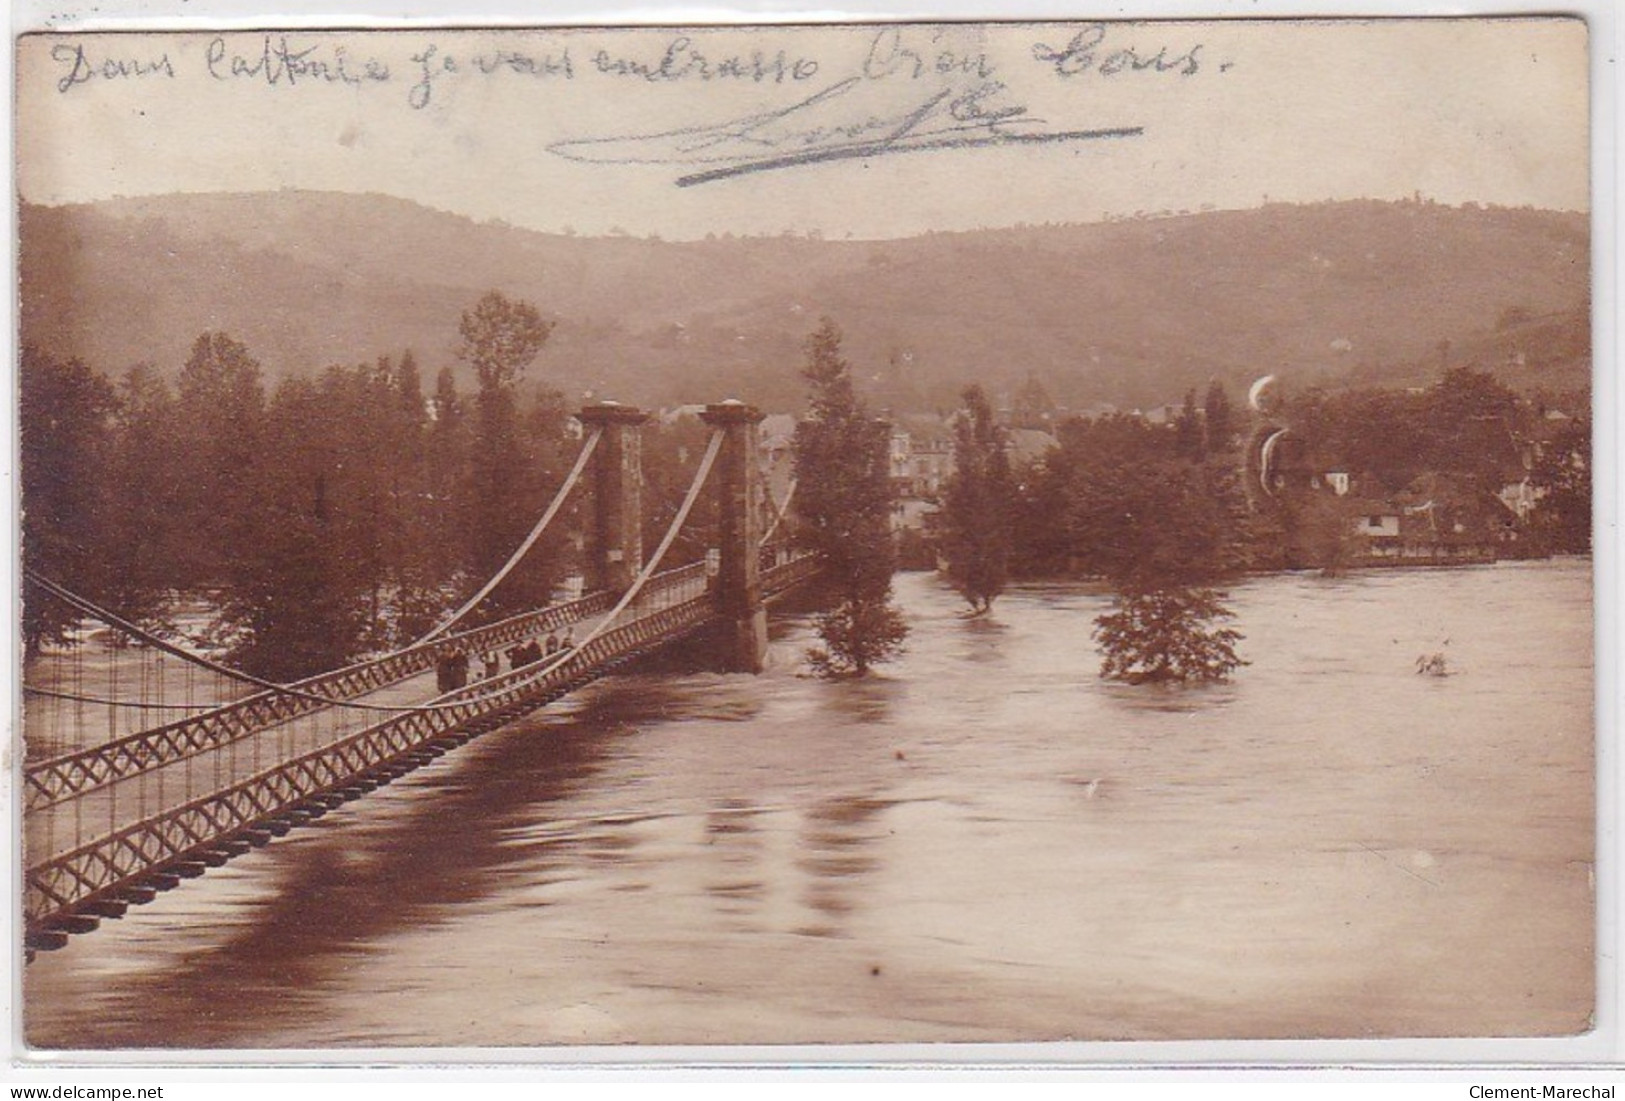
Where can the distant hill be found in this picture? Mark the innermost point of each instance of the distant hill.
(1546, 352)
(1129, 312)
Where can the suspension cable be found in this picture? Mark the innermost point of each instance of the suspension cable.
(783, 510)
(653, 564)
(524, 548)
(136, 705)
(89, 608)
(460, 697)
(113, 620)
(631, 594)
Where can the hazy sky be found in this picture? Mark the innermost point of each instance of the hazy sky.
(593, 130)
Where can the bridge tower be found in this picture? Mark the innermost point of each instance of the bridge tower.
(615, 535)
(741, 638)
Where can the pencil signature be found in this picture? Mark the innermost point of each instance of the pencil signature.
(829, 126)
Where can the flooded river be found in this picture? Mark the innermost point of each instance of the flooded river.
(985, 843)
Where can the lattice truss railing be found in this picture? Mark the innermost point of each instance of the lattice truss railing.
(795, 568)
(54, 779)
(99, 868)
(664, 607)
(661, 610)
(68, 775)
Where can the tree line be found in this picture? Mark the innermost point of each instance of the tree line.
(327, 517)
(322, 517)
(334, 515)
(1160, 512)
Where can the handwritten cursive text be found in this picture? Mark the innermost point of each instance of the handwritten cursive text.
(278, 62)
(1084, 53)
(833, 124)
(81, 69)
(682, 59)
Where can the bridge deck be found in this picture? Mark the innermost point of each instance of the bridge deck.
(221, 797)
(69, 774)
(62, 826)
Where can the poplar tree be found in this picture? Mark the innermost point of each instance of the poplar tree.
(141, 539)
(65, 412)
(219, 443)
(977, 511)
(844, 504)
(501, 337)
(1220, 420)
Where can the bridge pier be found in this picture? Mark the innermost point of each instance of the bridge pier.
(615, 535)
(741, 636)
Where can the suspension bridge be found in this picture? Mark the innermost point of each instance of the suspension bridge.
(117, 809)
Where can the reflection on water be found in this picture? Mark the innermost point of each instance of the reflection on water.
(981, 641)
(986, 842)
(838, 837)
(861, 702)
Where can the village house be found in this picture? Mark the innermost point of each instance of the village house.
(1437, 519)
(922, 464)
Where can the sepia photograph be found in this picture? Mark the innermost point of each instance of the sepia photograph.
(890, 533)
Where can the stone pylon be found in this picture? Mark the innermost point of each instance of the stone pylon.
(741, 637)
(615, 533)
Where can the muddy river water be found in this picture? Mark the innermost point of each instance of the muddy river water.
(985, 843)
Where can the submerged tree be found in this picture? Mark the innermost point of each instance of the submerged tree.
(977, 511)
(1168, 635)
(844, 503)
(857, 634)
(1174, 537)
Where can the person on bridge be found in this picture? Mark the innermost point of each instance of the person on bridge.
(569, 640)
(552, 643)
(444, 665)
(492, 663)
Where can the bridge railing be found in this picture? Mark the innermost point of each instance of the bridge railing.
(106, 787)
(64, 776)
(98, 868)
(677, 604)
(789, 569)
(673, 586)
